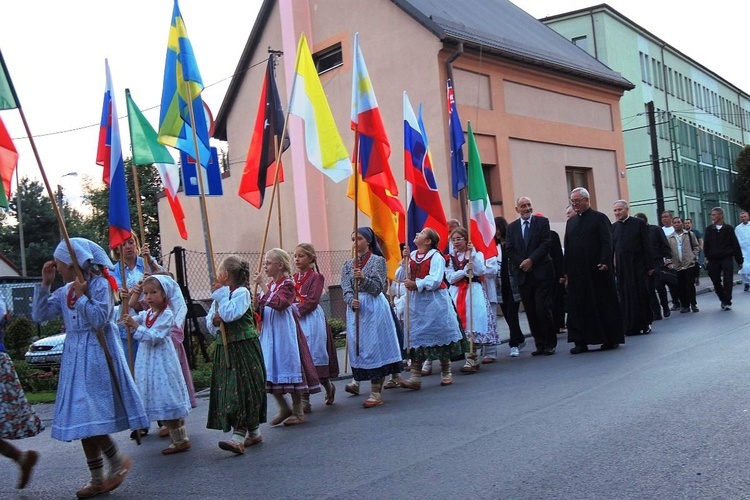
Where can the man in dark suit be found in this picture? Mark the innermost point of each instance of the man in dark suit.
(528, 247)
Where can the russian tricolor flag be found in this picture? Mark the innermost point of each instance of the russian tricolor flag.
(109, 156)
(425, 208)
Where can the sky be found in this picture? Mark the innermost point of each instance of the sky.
(55, 54)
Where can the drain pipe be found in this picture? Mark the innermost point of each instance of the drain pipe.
(449, 71)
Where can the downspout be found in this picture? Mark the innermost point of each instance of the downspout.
(678, 188)
(449, 71)
(593, 33)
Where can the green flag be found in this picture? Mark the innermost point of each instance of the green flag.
(8, 98)
(146, 149)
(482, 229)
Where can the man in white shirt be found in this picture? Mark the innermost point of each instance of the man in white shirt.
(666, 223)
(742, 231)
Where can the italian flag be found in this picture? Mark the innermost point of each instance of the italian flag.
(482, 230)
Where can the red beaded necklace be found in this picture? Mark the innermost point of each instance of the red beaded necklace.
(150, 320)
(299, 280)
(71, 298)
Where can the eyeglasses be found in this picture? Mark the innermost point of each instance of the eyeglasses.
(577, 200)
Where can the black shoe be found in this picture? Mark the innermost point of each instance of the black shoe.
(747, 287)
(579, 349)
(538, 352)
(667, 312)
(695, 309)
(549, 352)
(676, 307)
(608, 347)
(647, 330)
(684, 310)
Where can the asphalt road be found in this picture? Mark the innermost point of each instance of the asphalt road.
(664, 417)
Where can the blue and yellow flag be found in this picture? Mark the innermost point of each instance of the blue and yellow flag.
(182, 90)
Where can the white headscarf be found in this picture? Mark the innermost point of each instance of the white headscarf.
(175, 299)
(87, 253)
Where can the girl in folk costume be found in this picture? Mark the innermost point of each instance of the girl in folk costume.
(434, 332)
(289, 365)
(379, 353)
(397, 298)
(177, 336)
(157, 369)
(135, 269)
(476, 315)
(18, 419)
(309, 284)
(238, 397)
(96, 395)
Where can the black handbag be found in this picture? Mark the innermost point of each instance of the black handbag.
(667, 276)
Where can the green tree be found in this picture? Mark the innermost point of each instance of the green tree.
(150, 186)
(40, 228)
(741, 187)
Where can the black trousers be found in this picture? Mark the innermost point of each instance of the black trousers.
(686, 287)
(721, 273)
(658, 293)
(537, 297)
(510, 313)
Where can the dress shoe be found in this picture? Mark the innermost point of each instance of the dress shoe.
(538, 352)
(667, 312)
(608, 346)
(695, 309)
(579, 349)
(647, 330)
(676, 307)
(549, 352)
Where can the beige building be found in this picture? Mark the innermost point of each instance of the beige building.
(546, 113)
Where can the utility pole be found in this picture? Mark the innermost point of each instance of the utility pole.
(19, 215)
(656, 164)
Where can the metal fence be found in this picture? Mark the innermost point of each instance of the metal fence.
(193, 274)
(18, 292)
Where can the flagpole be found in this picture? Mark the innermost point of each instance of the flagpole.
(136, 185)
(407, 267)
(19, 215)
(470, 263)
(204, 211)
(124, 308)
(74, 260)
(356, 226)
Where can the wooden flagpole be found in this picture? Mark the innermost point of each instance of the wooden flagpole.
(470, 263)
(209, 243)
(356, 226)
(142, 235)
(124, 307)
(74, 260)
(407, 267)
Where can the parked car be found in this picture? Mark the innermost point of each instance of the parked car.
(46, 352)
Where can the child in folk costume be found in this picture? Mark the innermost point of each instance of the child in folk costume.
(177, 336)
(375, 352)
(473, 307)
(96, 395)
(397, 298)
(238, 397)
(433, 332)
(289, 365)
(309, 284)
(157, 369)
(18, 419)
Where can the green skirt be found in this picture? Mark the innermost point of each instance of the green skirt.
(238, 394)
(454, 350)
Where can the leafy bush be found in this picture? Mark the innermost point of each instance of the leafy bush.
(33, 380)
(51, 327)
(337, 326)
(202, 376)
(18, 336)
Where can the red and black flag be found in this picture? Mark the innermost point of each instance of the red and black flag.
(260, 166)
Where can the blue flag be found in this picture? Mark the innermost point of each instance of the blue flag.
(457, 140)
(211, 175)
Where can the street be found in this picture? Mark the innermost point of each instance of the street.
(665, 416)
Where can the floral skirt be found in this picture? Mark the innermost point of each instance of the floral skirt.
(17, 417)
(454, 350)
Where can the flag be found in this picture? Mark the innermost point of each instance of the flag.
(377, 191)
(109, 156)
(325, 148)
(147, 150)
(8, 97)
(424, 206)
(260, 165)
(211, 175)
(8, 162)
(182, 89)
(482, 219)
(458, 170)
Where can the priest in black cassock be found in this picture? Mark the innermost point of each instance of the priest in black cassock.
(594, 315)
(633, 266)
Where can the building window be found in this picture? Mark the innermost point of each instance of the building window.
(582, 42)
(579, 177)
(329, 58)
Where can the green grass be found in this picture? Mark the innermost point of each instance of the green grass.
(41, 397)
